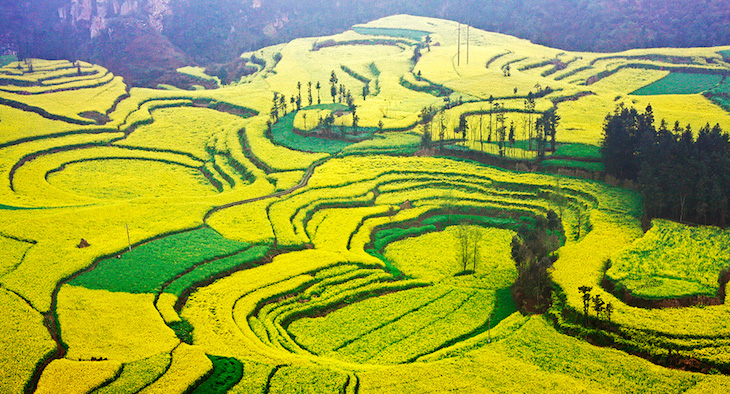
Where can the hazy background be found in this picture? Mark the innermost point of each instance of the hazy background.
(145, 40)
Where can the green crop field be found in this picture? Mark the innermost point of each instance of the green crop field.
(213, 241)
(673, 261)
(680, 83)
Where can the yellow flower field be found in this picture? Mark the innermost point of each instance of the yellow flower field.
(347, 275)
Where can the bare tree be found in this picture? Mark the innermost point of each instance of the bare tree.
(463, 235)
(476, 240)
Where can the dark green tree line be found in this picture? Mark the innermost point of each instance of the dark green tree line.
(681, 177)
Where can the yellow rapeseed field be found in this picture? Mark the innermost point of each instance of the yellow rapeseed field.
(332, 306)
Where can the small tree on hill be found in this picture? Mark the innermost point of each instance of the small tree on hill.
(333, 86)
(274, 114)
(309, 92)
(511, 136)
(586, 291)
(462, 235)
(598, 305)
(463, 127)
(319, 97)
(355, 119)
(282, 104)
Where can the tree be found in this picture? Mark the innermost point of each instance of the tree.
(540, 137)
(427, 41)
(350, 101)
(319, 97)
(546, 126)
(416, 54)
(328, 121)
(550, 123)
(481, 132)
(529, 110)
(282, 104)
(586, 291)
(511, 136)
(426, 136)
(476, 238)
(365, 91)
(501, 130)
(442, 120)
(531, 250)
(462, 235)
(299, 89)
(492, 107)
(309, 92)
(333, 86)
(598, 305)
(274, 114)
(463, 127)
(609, 310)
(355, 118)
(620, 139)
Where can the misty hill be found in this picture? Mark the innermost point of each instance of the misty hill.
(144, 40)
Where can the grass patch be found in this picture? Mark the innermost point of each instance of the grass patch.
(149, 266)
(7, 59)
(215, 267)
(383, 237)
(445, 220)
(282, 134)
(577, 164)
(183, 330)
(227, 372)
(680, 83)
(673, 260)
(583, 151)
(391, 32)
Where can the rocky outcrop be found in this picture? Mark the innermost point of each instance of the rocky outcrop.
(94, 15)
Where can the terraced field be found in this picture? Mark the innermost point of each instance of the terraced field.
(180, 241)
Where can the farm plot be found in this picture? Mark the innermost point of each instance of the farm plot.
(680, 83)
(262, 261)
(673, 261)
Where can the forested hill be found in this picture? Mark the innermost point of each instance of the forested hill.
(119, 33)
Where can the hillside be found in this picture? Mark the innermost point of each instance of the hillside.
(287, 232)
(114, 33)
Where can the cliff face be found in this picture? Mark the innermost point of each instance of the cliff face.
(94, 15)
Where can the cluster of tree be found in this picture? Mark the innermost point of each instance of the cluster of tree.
(599, 305)
(681, 177)
(541, 131)
(532, 248)
(469, 238)
(339, 94)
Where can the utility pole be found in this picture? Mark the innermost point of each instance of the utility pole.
(129, 241)
(481, 136)
(467, 44)
(458, 47)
